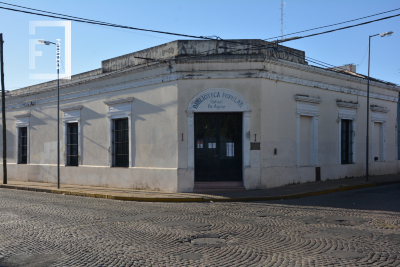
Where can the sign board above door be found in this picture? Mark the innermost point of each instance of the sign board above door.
(218, 99)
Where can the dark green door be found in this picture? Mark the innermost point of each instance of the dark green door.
(218, 147)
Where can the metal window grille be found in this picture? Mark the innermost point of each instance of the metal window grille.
(120, 143)
(72, 144)
(347, 142)
(23, 145)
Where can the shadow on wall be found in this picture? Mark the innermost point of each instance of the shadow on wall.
(35, 120)
(10, 140)
(92, 117)
(10, 136)
(140, 107)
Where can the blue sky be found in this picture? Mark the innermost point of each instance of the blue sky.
(250, 19)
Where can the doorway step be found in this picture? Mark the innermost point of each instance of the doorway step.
(217, 186)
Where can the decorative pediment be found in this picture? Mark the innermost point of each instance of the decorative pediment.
(119, 101)
(120, 107)
(344, 104)
(70, 108)
(379, 109)
(305, 98)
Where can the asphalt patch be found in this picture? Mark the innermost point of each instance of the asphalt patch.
(347, 255)
(25, 260)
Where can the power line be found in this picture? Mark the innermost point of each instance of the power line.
(333, 24)
(54, 13)
(78, 19)
(65, 17)
(82, 20)
(338, 29)
(366, 50)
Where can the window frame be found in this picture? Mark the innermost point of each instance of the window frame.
(114, 154)
(67, 144)
(72, 114)
(20, 145)
(349, 143)
(309, 107)
(347, 111)
(119, 108)
(22, 121)
(378, 115)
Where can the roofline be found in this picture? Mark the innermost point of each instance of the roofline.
(99, 74)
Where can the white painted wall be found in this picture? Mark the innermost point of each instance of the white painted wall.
(160, 129)
(305, 140)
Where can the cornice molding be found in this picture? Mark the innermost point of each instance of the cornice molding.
(158, 65)
(379, 109)
(308, 99)
(343, 104)
(22, 115)
(104, 76)
(71, 108)
(330, 73)
(201, 75)
(118, 101)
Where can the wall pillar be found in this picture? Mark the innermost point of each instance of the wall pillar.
(190, 139)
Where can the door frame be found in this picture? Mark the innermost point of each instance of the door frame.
(231, 101)
(218, 133)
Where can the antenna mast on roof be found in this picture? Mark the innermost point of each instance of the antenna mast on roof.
(283, 19)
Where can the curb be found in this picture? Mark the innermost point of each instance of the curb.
(165, 199)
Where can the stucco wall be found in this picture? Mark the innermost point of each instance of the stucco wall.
(153, 141)
(159, 130)
(273, 120)
(279, 131)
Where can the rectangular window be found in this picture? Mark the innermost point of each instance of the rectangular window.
(347, 142)
(120, 143)
(23, 145)
(72, 144)
(230, 149)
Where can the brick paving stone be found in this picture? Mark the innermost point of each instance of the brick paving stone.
(325, 230)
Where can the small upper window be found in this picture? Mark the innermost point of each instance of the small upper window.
(120, 143)
(22, 145)
(347, 142)
(72, 144)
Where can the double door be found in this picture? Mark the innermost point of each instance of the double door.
(218, 147)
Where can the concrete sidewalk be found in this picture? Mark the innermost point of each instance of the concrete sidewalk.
(284, 192)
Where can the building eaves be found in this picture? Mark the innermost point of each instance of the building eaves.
(347, 72)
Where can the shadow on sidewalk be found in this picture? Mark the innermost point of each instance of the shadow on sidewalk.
(381, 198)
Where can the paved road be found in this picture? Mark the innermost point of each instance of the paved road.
(40, 229)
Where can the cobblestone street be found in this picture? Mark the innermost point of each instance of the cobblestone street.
(351, 228)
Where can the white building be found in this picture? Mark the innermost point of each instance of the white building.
(190, 119)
